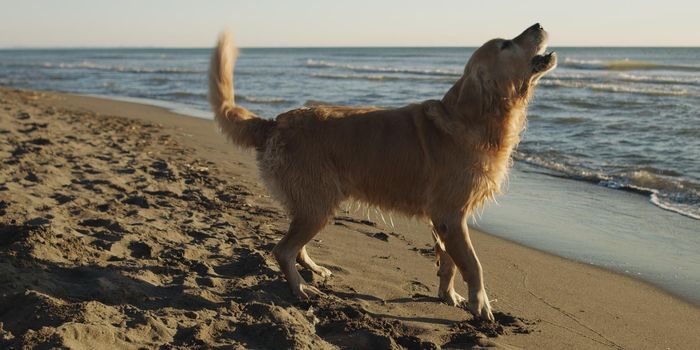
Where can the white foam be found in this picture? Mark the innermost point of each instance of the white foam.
(381, 77)
(263, 100)
(667, 193)
(123, 69)
(684, 210)
(608, 87)
(625, 64)
(408, 70)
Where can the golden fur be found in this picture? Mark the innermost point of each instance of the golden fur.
(439, 159)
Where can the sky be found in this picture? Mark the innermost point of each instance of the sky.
(317, 23)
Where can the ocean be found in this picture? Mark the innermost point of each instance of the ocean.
(624, 121)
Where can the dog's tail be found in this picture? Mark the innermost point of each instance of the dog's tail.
(239, 124)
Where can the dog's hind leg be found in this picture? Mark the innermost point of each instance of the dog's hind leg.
(301, 231)
(305, 260)
(459, 247)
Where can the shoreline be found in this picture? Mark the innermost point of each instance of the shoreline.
(561, 302)
(686, 295)
(618, 231)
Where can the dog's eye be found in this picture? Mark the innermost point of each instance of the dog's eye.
(506, 44)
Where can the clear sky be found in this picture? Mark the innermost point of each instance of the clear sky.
(264, 23)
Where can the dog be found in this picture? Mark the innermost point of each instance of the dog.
(439, 159)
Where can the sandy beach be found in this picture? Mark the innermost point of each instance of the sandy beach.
(128, 226)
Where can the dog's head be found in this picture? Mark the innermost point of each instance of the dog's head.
(498, 82)
(507, 69)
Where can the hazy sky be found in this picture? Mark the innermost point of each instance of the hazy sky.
(190, 23)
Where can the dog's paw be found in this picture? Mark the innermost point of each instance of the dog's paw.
(323, 272)
(452, 298)
(307, 292)
(480, 307)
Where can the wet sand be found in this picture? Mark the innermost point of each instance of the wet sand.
(127, 226)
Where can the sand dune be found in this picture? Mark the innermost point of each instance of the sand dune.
(126, 226)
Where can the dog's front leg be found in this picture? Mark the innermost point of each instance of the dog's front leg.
(447, 271)
(459, 247)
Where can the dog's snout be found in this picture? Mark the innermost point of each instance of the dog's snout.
(536, 26)
(535, 32)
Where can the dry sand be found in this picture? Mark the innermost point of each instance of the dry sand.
(127, 226)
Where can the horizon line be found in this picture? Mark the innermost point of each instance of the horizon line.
(324, 47)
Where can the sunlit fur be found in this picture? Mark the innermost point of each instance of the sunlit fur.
(438, 159)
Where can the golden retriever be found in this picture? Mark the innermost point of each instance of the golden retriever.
(439, 159)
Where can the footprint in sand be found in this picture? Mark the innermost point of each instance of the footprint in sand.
(198, 236)
(416, 287)
(139, 201)
(62, 198)
(140, 250)
(162, 170)
(247, 263)
(381, 236)
(40, 141)
(31, 127)
(31, 176)
(106, 223)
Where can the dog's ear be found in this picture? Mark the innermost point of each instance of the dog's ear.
(479, 95)
(484, 101)
(471, 93)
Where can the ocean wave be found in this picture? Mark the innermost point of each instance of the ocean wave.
(203, 95)
(185, 94)
(657, 79)
(572, 120)
(354, 76)
(569, 120)
(666, 189)
(316, 103)
(157, 80)
(120, 69)
(380, 77)
(263, 100)
(689, 131)
(14, 81)
(625, 77)
(607, 87)
(625, 65)
(377, 69)
(638, 90)
(569, 76)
